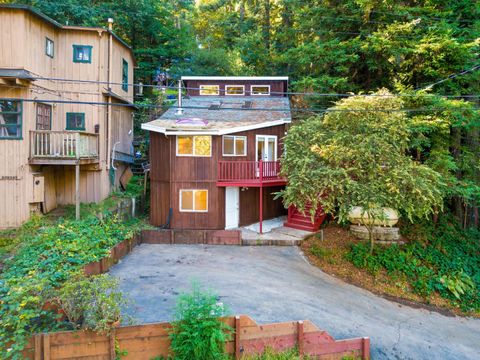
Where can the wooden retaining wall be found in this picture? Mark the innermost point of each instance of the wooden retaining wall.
(175, 236)
(211, 237)
(152, 340)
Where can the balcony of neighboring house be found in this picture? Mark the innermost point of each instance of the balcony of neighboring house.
(49, 147)
(249, 173)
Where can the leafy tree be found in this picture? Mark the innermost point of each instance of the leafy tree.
(356, 156)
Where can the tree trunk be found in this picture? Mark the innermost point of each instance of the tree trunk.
(266, 24)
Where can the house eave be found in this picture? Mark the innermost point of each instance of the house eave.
(233, 130)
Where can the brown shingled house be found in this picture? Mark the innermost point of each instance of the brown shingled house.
(215, 155)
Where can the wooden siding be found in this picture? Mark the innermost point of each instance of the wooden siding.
(249, 205)
(277, 87)
(16, 175)
(170, 173)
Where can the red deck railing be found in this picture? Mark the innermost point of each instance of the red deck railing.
(249, 172)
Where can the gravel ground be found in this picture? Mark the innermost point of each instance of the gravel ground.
(273, 284)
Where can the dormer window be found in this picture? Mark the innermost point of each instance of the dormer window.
(209, 90)
(234, 90)
(260, 90)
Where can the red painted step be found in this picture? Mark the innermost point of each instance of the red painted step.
(298, 220)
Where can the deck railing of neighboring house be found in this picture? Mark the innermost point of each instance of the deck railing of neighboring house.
(248, 171)
(63, 144)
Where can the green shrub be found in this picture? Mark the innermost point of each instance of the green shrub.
(446, 261)
(197, 332)
(91, 303)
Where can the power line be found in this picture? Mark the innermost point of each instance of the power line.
(286, 109)
(450, 77)
(81, 81)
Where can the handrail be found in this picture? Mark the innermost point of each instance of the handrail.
(248, 170)
(63, 144)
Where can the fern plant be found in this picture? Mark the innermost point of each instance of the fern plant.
(197, 332)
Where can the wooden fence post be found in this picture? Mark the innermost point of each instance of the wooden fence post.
(38, 347)
(366, 348)
(113, 355)
(46, 346)
(237, 337)
(300, 338)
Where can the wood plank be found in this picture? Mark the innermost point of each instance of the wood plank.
(46, 346)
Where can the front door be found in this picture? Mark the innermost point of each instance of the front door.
(232, 207)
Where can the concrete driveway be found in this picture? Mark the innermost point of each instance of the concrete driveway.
(277, 284)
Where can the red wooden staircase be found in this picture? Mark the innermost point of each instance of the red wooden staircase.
(297, 220)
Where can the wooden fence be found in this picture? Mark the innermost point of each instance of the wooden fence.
(152, 340)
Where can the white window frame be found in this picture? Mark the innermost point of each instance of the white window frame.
(235, 137)
(193, 199)
(193, 146)
(216, 86)
(232, 85)
(252, 93)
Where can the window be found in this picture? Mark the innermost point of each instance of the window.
(209, 90)
(82, 53)
(260, 90)
(194, 145)
(49, 47)
(194, 200)
(75, 121)
(44, 117)
(234, 145)
(10, 119)
(124, 75)
(234, 90)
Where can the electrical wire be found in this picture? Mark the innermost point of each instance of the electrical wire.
(81, 81)
(450, 77)
(286, 109)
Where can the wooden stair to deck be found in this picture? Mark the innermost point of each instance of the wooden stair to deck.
(297, 220)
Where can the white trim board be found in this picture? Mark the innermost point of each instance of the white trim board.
(253, 78)
(232, 130)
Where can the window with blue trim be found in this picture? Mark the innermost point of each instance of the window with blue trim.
(82, 53)
(75, 121)
(10, 119)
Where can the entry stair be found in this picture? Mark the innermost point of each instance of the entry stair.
(303, 221)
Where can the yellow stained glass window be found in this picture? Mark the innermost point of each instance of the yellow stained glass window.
(260, 90)
(202, 145)
(194, 200)
(209, 90)
(186, 200)
(185, 145)
(240, 145)
(234, 90)
(201, 200)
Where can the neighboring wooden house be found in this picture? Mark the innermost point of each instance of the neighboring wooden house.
(215, 159)
(55, 147)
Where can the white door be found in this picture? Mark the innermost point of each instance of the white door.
(232, 207)
(266, 150)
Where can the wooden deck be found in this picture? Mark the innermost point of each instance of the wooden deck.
(249, 173)
(49, 147)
